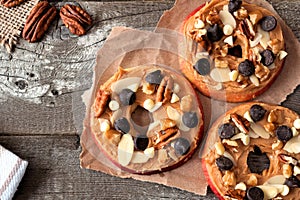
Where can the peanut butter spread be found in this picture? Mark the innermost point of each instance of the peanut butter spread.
(147, 119)
(264, 153)
(244, 55)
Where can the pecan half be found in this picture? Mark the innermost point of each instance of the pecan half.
(38, 21)
(288, 159)
(101, 101)
(11, 3)
(247, 29)
(164, 90)
(163, 137)
(240, 122)
(236, 194)
(75, 18)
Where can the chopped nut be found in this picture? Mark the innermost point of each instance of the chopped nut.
(296, 170)
(244, 138)
(229, 40)
(167, 123)
(162, 155)
(101, 102)
(176, 88)
(148, 88)
(229, 178)
(282, 54)
(113, 105)
(275, 45)
(240, 122)
(277, 145)
(255, 16)
(287, 170)
(148, 104)
(241, 186)
(288, 159)
(113, 136)
(173, 113)
(247, 29)
(294, 131)
(164, 90)
(227, 29)
(247, 116)
(149, 152)
(262, 72)
(270, 127)
(233, 75)
(201, 32)
(104, 125)
(199, 24)
(186, 103)
(224, 51)
(296, 123)
(252, 180)
(227, 18)
(164, 137)
(221, 63)
(254, 80)
(230, 142)
(219, 148)
(275, 116)
(213, 17)
(241, 13)
(174, 98)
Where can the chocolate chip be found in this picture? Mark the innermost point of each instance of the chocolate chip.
(127, 97)
(190, 119)
(257, 112)
(122, 125)
(224, 163)
(267, 57)
(21, 84)
(255, 193)
(154, 77)
(268, 23)
(235, 51)
(226, 131)
(234, 5)
(141, 142)
(292, 182)
(202, 66)
(284, 133)
(181, 146)
(246, 68)
(214, 33)
(257, 161)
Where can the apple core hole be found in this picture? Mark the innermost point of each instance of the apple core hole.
(141, 117)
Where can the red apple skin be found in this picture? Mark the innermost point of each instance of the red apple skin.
(187, 157)
(210, 183)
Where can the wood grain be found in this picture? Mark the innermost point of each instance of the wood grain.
(40, 88)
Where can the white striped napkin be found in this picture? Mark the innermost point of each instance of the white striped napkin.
(12, 169)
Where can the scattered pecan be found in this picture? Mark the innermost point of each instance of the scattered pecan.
(236, 194)
(163, 137)
(213, 16)
(101, 102)
(287, 159)
(247, 29)
(164, 90)
(240, 122)
(38, 21)
(262, 72)
(75, 18)
(11, 3)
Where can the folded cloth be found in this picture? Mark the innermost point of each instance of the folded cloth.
(12, 169)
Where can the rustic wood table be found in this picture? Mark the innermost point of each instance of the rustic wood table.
(40, 86)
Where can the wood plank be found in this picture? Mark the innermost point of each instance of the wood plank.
(53, 173)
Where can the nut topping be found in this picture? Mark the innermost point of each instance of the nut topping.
(164, 90)
(240, 122)
(288, 159)
(101, 101)
(75, 18)
(241, 13)
(163, 137)
(229, 178)
(38, 21)
(11, 3)
(255, 16)
(213, 17)
(246, 27)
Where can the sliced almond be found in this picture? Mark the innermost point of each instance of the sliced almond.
(229, 40)
(219, 148)
(277, 179)
(241, 186)
(244, 138)
(230, 142)
(173, 113)
(260, 131)
(269, 191)
(265, 37)
(296, 123)
(220, 74)
(282, 189)
(289, 145)
(119, 85)
(227, 18)
(254, 80)
(248, 117)
(156, 107)
(296, 147)
(134, 87)
(252, 134)
(139, 157)
(282, 54)
(174, 98)
(125, 149)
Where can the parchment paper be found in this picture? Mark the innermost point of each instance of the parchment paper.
(129, 48)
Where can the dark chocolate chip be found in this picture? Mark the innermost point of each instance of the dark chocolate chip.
(234, 5)
(284, 133)
(54, 92)
(141, 142)
(255, 193)
(226, 131)
(122, 125)
(257, 161)
(235, 51)
(224, 163)
(246, 68)
(268, 23)
(190, 119)
(127, 97)
(181, 146)
(257, 112)
(202, 66)
(154, 77)
(292, 182)
(21, 84)
(267, 57)
(214, 33)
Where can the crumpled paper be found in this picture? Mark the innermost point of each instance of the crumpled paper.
(129, 48)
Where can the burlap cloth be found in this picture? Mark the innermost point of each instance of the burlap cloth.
(12, 22)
